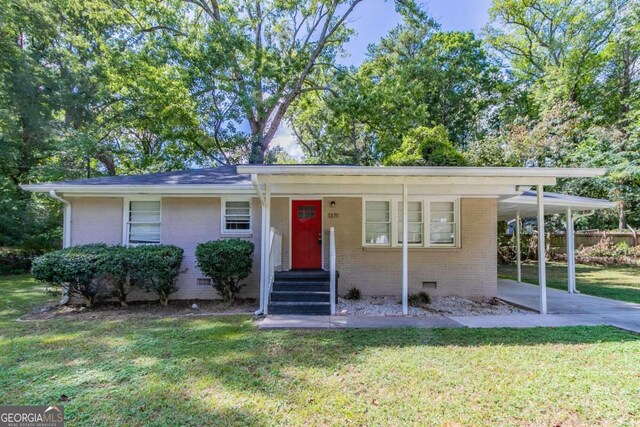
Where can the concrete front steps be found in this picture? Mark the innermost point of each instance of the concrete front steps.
(300, 292)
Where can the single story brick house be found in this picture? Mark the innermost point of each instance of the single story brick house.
(385, 230)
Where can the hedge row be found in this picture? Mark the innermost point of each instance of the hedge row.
(98, 270)
(16, 261)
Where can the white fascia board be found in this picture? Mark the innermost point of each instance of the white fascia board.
(421, 171)
(358, 190)
(182, 189)
(404, 180)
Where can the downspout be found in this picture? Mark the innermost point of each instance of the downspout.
(66, 239)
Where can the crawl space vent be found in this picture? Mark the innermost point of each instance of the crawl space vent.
(429, 285)
(203, 281)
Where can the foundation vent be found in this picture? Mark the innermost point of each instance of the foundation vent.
(203, 281)
(429, 285)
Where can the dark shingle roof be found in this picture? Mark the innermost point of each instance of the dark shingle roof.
(223, 175)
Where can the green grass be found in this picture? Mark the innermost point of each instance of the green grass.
(223, 371)
(617, 282)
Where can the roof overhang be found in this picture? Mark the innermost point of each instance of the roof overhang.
(420, 171)
(421, 180)
(527, 205)
(332, 180)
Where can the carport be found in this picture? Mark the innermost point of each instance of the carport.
(531, 204)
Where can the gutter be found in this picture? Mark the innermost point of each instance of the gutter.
(110, 189)
(67, 235)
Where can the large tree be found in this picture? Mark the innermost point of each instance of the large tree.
(246, 62)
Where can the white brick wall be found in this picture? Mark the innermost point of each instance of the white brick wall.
(468, 271)
(96, 220)
(186, 221)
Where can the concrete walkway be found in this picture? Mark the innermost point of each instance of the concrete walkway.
(564, 310)
(274, 321)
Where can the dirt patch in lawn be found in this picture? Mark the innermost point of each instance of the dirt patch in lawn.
(143, 309)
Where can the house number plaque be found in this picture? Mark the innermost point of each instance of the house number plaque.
(332, 215)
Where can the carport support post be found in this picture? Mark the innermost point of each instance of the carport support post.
(263, 262)
(267, 248)
(405, 251)
(542, 267)
(518, 255)
(571, 253)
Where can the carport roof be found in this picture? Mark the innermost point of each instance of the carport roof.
(527, 204)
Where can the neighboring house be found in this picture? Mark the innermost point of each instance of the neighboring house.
(391, 230)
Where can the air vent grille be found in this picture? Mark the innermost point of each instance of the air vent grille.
(203, 281)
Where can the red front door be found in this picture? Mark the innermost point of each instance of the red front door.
(306, 234)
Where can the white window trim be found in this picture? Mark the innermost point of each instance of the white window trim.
(223, 211)
(456, 219)
(364, 221)
(426, 222)
(125, 218)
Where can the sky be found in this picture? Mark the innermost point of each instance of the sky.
(372, 20)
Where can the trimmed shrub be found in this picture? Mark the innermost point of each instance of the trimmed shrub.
(227, 262)
(353, 294)
(155, 268)
(116, 265)
(421, 299)
(75, 267)
(86, 270)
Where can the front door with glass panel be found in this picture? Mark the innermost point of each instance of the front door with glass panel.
(306, 234)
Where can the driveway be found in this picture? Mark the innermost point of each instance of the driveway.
(573, 308)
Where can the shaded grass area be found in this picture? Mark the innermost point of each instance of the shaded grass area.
(223, 371)
(618, 282)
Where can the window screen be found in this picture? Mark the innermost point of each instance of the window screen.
(377, 223)
(237, 216)
(144, 222)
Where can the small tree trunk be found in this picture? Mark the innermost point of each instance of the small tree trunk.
(164, 300)
(622, 218)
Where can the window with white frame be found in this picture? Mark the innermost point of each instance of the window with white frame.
(414, 221)
(432, 222)
(442, 223)
(377, 226)
(236, 216)
(143, 224)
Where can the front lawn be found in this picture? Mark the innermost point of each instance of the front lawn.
(619, 282)
(223, 371)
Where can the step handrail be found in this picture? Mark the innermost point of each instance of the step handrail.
(332, 269)
(274, 261)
